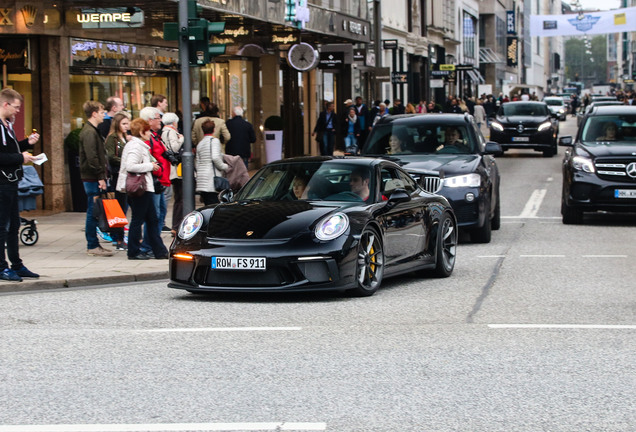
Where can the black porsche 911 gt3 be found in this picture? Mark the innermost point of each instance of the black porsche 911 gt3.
(315, 223)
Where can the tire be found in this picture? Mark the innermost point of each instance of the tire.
(571, 215)
(549, 152)
(29, 236)
(495, 222)
(446, 248)
(369, 264)
(483, 234)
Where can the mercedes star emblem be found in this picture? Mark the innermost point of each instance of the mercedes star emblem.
(631, 170)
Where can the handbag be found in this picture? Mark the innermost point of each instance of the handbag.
(136, 184)
(220, 183)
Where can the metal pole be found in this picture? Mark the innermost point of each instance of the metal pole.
(377, 21)
(187, 160)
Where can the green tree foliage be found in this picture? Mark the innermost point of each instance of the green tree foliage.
(586, 63)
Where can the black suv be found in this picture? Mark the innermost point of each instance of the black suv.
(599, 167)
(447, 155)
(526, 125)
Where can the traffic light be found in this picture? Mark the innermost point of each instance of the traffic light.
(199, 30)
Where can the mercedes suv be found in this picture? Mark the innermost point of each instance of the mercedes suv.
(599, 166)
(526, 125)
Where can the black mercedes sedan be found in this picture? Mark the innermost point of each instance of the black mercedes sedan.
(599, 166)
(448, 155)
(315, 223)
(526, 125)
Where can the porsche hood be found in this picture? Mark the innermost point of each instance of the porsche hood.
(256, 220)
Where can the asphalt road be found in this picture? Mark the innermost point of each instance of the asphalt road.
(535, 331)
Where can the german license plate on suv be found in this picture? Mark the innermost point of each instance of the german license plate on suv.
(625, 193)
(239, 263)
(521, 139)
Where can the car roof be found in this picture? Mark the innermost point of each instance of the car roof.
(614, 109)
(525, 103)
(553, 98)
(432, 118)
(358, 160)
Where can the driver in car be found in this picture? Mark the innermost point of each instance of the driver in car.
(453, 140)
(359, 183)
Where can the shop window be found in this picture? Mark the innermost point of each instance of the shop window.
(134, 90)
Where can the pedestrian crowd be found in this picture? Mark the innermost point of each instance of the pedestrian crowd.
(114, 148)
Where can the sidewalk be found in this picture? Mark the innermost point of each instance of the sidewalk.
(60, 258)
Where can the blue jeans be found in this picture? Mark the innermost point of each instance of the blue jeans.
(159, 203)
(351, 142)
(143, 211)
(9, 226)
(92, 190)
(328, 141)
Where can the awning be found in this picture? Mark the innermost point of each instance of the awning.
(476, 77)
(487, 55)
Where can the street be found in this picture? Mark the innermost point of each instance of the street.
(533, 331)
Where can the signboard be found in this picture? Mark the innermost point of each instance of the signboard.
(389, 43)
(360, 55)
(106, 18)
(331, 60)
(14, 53)
(447, 67)
(511, 51)
(451, 77)
(399, 77)
(511, 24)
(438, 73)
(464, 67)
(383, 74)
(437, 83)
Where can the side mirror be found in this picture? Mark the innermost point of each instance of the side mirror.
(398, 196)
(493, 148)
(226, 196)
(566, 141)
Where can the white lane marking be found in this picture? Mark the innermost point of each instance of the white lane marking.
(542, 256)
(278, 426)
(530, 217)
(534, 203)
(491, 256)
(221, 329)
(562, 326)
(604, 256)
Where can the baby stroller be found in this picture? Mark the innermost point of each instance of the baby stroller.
(29, 187)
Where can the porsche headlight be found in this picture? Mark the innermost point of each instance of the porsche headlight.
(468, 180)
(584, 164)
(190, 225)
(332, 227)
(496, 125)
(544, 126)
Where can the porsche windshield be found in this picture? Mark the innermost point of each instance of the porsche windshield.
(608, 129)
(314, 181)
(413, 138)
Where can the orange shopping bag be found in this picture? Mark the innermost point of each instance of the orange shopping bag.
(114, 214)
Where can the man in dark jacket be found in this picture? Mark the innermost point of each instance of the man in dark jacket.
(12, 155)
(243, 136)
(325, 130)
(93, 171)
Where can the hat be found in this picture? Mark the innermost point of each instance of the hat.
(348, 102)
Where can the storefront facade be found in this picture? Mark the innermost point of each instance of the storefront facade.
(60, 54)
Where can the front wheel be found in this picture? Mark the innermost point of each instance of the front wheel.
(446, 249)
(369, 264)
(29, 236)
(571, 215)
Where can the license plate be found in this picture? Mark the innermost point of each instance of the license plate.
(236, 263)
(625, 193)
(521, 139)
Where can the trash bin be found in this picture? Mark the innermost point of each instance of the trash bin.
(273, 145)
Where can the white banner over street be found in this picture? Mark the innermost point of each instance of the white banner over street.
(614, 21)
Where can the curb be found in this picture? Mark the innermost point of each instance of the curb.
(37, 285)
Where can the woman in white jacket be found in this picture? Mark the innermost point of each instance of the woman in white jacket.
(136, 158)
(174, 141)
(209, 163)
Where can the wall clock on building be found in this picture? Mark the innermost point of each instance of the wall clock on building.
(302, 56)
